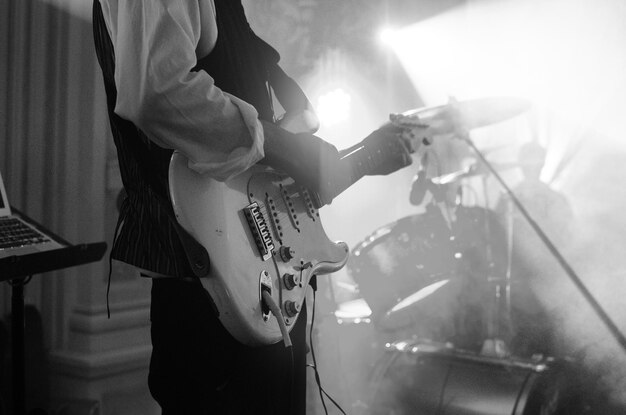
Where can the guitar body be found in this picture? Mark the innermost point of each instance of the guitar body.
(262, 233)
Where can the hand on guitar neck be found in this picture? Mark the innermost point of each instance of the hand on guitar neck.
(320, 167)
(384, 151)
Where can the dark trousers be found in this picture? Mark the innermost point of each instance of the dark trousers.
(197, 367)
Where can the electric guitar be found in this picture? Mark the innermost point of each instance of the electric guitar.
(263, 233)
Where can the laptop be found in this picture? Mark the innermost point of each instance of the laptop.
(17, 235)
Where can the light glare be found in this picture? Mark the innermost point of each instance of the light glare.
(387, 36)
(334, 107)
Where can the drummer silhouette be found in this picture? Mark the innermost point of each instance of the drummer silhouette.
(532, 328)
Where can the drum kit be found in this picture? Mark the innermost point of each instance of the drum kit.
(435, 295)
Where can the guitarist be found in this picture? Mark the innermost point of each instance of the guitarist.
(190, 75)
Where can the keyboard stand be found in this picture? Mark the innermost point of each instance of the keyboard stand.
(17, 270)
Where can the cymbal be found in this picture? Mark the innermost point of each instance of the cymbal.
(461, 115)
(457, 175)
(427, 301)
(471, 171)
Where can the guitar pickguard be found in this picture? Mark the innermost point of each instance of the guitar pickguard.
(262, 232)
(294, 226)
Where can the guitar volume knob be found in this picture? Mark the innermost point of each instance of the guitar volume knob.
(286, 253)
(291, 308)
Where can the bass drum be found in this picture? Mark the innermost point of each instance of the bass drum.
(431, 378)
(401, 258)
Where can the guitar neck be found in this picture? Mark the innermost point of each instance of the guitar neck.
(357, 162)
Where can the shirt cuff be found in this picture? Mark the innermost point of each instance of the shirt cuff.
(241, 158)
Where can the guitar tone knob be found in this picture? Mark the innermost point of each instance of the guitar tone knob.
(290, 281)
(291, 308)
(286, 253)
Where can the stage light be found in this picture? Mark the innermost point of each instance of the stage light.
(334, 107)
(565, 56)
(387, 35)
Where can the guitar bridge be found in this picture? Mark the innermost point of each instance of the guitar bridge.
(260, 230)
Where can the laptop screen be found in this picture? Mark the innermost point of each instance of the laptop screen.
(5, 208)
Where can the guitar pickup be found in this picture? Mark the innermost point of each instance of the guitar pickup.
(260, 230)
(289, 200)
(310, 203)
(273, 214)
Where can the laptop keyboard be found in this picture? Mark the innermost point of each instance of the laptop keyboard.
(14, 233)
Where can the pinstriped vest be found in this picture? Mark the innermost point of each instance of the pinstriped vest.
(238, 64)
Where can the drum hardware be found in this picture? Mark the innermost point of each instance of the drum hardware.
(509, 260)
(556, 254)
(487, 380)
(457, 119)
(426, 377)
(353, 312)
(423, 348)
(410, 268)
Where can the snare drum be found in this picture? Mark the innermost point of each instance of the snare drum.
(416, 377)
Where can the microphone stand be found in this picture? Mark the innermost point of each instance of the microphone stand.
(613, 329)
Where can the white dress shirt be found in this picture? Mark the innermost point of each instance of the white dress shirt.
(157, 43)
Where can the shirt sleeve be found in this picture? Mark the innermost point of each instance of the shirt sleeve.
(155, 49)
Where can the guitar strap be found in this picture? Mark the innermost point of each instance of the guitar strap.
(287, 90)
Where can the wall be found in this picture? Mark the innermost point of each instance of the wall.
(59, 168)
